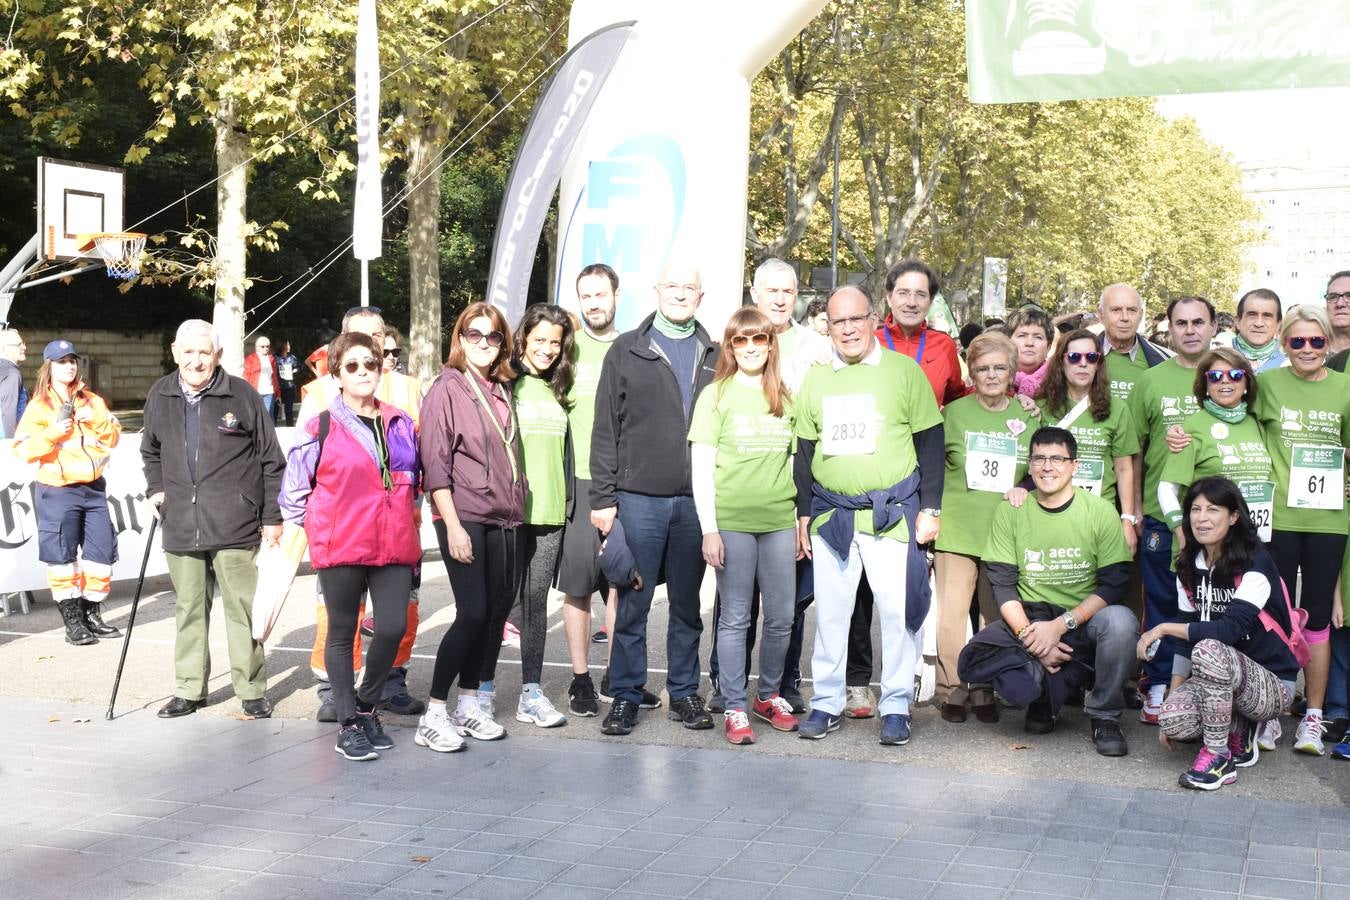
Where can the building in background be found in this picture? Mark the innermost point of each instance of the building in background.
(1306, 222)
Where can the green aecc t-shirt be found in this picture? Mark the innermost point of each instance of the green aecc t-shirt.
(986, 456)
(543, 441)
(755, 491)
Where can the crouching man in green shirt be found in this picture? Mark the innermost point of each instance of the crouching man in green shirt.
(1067, 549)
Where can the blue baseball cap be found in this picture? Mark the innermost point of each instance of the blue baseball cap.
(617, 561)
(59, 350)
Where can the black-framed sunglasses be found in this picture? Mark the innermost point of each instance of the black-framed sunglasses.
(1074, 357)
(395, 352)
(352, 366)
(1298, 343)
(474, 336)
(1237, 376)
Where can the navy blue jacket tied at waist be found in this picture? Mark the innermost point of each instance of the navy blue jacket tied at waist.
(889, 506)
(995, 656)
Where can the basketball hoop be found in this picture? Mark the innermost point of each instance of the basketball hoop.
(120, 250)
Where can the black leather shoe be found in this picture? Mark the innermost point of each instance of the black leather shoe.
(258, 709)
(691, 712)
(179, 707)
(1039, 720)
(623, 715)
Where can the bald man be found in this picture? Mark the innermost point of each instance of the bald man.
(1128, 353)
(640, 475)
(869, 472)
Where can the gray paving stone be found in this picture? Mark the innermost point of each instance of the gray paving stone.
(902, 869)
(838, 880)
(681, 863)
(610, 877)
(981, 875)
(1115, 890)
(730, 889)
(986, 856)
(1055, 885)
(434, 881)
(618, 857)
(1278, 888)
(1303, 854)
(370, 873)
(1338, 875)
(664, 884)
(873, 885)
(1205, 881)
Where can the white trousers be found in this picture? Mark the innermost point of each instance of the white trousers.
(836, 584)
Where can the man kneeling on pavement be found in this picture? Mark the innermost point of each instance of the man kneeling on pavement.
(1059, 567)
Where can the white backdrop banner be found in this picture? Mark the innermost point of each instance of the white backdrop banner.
(20, 569)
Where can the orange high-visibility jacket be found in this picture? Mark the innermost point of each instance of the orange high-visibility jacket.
(80, 456)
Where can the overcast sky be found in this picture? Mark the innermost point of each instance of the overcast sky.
(1310, 125)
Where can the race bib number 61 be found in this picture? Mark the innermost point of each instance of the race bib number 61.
(1317, 477)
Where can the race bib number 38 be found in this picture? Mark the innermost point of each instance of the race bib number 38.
(850, 425)
(1317, 477)
(991, 462)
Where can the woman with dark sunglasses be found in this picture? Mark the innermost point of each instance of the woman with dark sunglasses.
(471, 465)
(351, 482)
(1224, 440)
(741, 458)
(1076, 396)
(1305, 411)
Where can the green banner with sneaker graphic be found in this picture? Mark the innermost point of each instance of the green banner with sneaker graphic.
(1034, 50)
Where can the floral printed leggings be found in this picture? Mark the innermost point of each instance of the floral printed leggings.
(1225, 689)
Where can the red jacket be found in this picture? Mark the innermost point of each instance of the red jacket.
(253, 368)
(940, 362)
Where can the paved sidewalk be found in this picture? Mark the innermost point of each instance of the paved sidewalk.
(209, 805)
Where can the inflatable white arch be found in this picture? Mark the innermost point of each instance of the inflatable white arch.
(660, 170)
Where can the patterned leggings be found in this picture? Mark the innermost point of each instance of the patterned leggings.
(1225, 689)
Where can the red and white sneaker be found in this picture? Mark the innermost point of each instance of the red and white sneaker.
(1152, 708)
(777, 712)
(510, 636)
(738, 727)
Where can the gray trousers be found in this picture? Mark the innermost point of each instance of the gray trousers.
(1114, 632)
(770, 559)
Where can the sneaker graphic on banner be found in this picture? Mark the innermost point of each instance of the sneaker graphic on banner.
(1057, 38)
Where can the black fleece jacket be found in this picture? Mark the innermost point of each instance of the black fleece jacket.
(222, 498)
(640, 442)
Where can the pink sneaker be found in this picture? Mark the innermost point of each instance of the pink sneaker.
(777, 712)
(738, 727)
(510, 636)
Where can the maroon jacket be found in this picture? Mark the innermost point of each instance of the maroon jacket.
(462, 451)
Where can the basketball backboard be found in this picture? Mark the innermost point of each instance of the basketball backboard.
(75, 199)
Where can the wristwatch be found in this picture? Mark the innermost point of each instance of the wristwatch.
(1069, 621)
(1130, 517)
(935, 513)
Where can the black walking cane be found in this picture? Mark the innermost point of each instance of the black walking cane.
(131, 620)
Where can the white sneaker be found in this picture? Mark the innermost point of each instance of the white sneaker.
(859, 703)
(1268, 735)
(539, 711)
(1152, 708)
(1308, 737)
(435, 731)
(476, 722)
(487, 702)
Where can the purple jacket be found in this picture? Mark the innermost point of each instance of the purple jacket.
(350, 517)
(462, 451)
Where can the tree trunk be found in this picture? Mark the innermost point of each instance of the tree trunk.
(231, 260)
(424, 222)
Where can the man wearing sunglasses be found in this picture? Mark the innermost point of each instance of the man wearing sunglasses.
(1128, 353)
(404, 392)
(640, 474)
(213, 472)
(1165, 396)
(13, 396)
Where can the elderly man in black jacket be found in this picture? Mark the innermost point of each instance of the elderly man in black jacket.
(213, 472)
(640, 473)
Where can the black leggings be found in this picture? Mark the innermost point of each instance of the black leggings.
(390, 588)
(1319, 556)
(484, 590)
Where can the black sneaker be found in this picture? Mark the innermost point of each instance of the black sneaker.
(794, 696)
(623, 716)
(1039, 720)
(600, 637)
(691, 712)
(354, 745)
(1107, 736)
(400, 702)
(581, 697)
(374, 729)
(1333, 731)
(649, 700)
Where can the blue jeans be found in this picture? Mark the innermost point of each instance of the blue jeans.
(269, 402)
(1160, 594)
(659, 529)
(1337, 703)
(766, 561)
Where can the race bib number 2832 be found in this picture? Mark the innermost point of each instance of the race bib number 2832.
(850, 425)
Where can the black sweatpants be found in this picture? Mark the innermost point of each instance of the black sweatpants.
(484, 590)
(343, 586)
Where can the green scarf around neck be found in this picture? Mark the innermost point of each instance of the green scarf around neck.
(671, 329)
(1223, 414)
(1257, 355)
